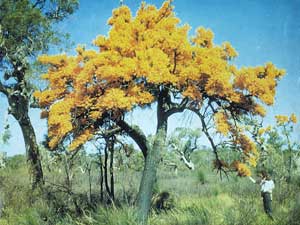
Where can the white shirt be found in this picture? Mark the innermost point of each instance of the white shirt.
(267, 186)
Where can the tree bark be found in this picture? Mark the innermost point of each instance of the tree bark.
(32, 152)
(106, 168)
(152, 160)
(19, 107)
(149, 178)
(111, 170)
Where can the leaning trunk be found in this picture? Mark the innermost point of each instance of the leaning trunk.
(32, 152)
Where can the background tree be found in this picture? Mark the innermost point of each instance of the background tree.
(26, 29)
(183, 141)
(278, 142)
(150, 60)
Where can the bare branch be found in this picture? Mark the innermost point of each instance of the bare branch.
(205, 130)
(189, 164)
(206, 108)
(109, 133)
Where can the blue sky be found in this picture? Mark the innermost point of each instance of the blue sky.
(260, 30)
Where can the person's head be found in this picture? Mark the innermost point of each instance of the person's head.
(264, 175)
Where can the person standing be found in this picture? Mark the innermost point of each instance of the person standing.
(266, 187)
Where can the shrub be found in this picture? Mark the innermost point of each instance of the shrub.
(162, 201)
(201, 177)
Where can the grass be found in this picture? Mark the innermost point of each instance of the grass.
(199, 197)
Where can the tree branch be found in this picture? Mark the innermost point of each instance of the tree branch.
(176, 108)
(39, 3)
(136, 134)
(175, 61)
(110, 132)
(4, 89)
(219, 164)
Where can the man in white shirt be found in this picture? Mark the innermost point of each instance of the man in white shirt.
(266, 187)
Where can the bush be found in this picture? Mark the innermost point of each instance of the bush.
(201, 177)
(162, 201)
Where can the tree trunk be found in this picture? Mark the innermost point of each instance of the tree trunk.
(152, 160)
(19, 106)
(101, 183)
(111, 170)
(106, 169)
(89, 170)
(101, 176)
(32, 152)
(149, 178)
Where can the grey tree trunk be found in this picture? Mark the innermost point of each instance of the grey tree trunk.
(149, 178)
(152, 160)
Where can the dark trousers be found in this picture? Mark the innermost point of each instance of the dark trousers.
(267, 203)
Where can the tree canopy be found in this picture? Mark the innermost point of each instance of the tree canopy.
(145, 58)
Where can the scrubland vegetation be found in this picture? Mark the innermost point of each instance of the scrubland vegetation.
(188, 198)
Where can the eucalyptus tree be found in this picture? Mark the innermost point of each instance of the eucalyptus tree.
(27, 28)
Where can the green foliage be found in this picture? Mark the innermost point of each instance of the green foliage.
(27, 29)
(27, 26)
(186, 139)
(280, 153)
(5, 136)
(16, 162)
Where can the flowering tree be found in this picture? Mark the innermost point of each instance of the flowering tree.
(150, 60)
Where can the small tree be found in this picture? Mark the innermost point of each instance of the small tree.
(183, 141)
(150, 60)
(278, 143)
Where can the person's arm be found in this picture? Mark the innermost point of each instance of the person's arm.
(254, 181)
